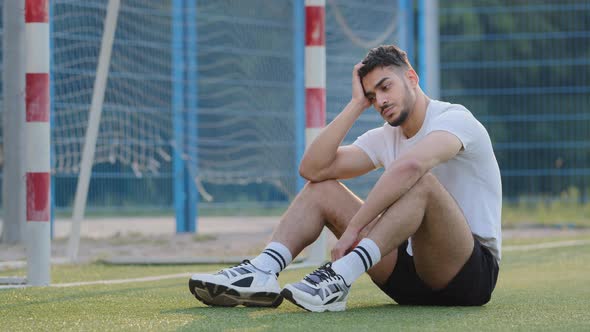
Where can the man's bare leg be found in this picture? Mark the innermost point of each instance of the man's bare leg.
(331, 204)
(254, 283)
(441, 238)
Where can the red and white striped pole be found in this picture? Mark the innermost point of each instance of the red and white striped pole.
(37, 145)
(315, 68)
(315, 92)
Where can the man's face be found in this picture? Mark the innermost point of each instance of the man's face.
(388, 90)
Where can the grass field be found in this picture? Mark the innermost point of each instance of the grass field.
(545, 289)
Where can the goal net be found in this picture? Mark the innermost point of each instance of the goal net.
(210, 83)
(237, 106)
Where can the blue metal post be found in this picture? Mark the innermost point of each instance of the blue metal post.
(191, 133)
(299, 84)
(406, 27)
(428, 47)
(177, 109)
(421, 48)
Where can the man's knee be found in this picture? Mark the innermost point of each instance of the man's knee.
(427, 184)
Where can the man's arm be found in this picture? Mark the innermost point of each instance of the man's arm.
(325, 158)
(437, 147)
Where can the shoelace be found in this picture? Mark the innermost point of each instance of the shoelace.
(244, 262)
(323, 273)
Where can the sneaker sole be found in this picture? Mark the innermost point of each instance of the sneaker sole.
(223, 296)
(287, 294)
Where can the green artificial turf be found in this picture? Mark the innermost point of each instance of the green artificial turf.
(540, 290)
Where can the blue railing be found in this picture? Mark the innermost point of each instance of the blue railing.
(239, 94)
(524, 71)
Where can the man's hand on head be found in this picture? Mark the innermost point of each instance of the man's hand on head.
(358, 93)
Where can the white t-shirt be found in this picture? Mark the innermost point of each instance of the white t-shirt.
(472, 177)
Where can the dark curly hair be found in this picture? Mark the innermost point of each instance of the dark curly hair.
(384, 56)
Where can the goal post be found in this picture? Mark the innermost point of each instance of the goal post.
(27, 115)
(316, 68)
(251, 117)
(98, 94)
(315, 95)
(37, 143)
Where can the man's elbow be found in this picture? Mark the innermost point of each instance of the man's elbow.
(310, 174)
(411, 168)
(304, 173)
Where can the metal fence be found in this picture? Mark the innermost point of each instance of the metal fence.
(522, 69)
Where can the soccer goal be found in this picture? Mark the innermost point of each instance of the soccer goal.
(202, 105)
(223, 122)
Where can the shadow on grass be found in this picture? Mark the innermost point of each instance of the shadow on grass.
(212, 310)
(292, 310)
(289, 317)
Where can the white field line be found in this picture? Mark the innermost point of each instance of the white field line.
(112, 281)
(12, 286)
(546, 245)
(528, 247)
(124, 281)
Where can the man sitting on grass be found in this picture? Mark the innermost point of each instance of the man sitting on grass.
(429, 230)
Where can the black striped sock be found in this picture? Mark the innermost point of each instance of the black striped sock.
(362, 257)
(276, 256)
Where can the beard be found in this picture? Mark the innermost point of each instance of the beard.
(403, 116)
(407, 108)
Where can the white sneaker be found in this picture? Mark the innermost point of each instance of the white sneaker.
(242, 284)
(321, 290)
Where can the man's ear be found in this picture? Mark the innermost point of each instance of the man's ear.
(412, 77)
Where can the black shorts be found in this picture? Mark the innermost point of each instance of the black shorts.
(472, 286)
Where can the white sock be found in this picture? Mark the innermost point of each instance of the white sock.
(365, 255)
(274, 258)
